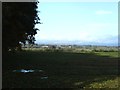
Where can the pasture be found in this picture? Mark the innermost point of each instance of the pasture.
(63, 69)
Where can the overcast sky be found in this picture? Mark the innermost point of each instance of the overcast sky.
(83, 21)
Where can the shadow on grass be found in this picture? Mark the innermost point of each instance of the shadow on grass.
(64, 69)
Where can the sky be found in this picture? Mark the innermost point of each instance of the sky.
(95, 22)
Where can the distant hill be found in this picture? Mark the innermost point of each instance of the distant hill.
(75, 42)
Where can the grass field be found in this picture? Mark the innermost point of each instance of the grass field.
(63, 69)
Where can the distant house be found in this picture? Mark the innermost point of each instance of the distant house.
(44, 46)
(69, 46)
(58, 47)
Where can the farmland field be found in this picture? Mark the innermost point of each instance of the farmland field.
(62, 69)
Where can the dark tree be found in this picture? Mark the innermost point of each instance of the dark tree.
(18, 23)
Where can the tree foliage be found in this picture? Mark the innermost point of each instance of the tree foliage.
(18, 23)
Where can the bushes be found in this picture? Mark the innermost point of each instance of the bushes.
(77, 49)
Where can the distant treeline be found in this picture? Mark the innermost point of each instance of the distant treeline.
(88, 48)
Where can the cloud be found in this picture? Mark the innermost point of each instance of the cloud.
(103, 12)
(89, 32)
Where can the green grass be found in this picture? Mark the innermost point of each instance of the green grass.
(64, 69)
(111, 54)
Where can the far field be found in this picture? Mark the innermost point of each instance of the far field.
(63, 69)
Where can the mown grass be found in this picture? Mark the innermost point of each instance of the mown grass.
(64, 69)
